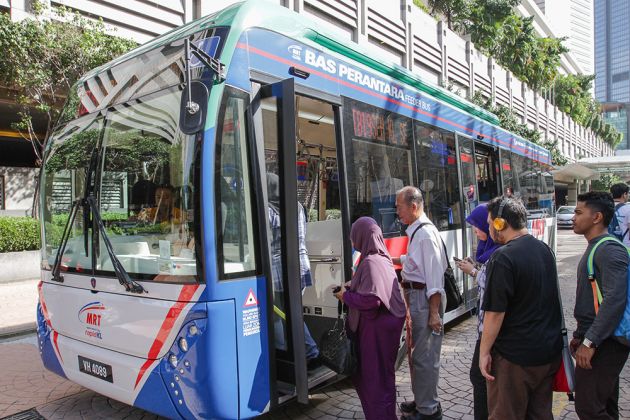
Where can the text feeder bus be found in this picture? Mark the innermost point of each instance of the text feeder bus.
(164, 283)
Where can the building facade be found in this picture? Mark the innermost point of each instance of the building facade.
(404, 34)
(612, 63)
(573, 19)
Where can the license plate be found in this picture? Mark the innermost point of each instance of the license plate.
(96, 369)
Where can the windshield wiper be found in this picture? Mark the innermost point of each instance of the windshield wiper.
(56, 275)
(121, 273)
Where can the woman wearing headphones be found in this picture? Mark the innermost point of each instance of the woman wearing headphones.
(478, 219)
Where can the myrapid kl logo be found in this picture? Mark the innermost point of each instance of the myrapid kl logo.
(91, 316)
(295, 51)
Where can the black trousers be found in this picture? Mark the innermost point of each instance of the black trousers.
(597, 389)
(480, 393)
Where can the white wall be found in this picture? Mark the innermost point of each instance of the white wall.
(19, 187)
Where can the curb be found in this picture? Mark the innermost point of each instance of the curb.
(19, 329)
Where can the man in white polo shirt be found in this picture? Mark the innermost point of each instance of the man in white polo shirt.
(423, 284)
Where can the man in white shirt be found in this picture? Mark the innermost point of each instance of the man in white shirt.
(423, 285)
(622, 210)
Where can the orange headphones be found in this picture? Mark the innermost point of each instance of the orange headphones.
(499, 223)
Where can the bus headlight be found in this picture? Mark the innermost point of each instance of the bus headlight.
(183, 344)
(173, 360)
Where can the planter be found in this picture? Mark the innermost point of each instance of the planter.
(16, 266)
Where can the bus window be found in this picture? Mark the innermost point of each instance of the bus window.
(379, 162)
(469, 180)
(437, 175)
(506, 170)
(68, 158)
(146, 190)
(528, 175)
(487, 172)
(235, 217)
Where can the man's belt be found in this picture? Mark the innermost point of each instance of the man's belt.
(412, 285)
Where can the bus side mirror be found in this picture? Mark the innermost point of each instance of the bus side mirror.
(193, 107)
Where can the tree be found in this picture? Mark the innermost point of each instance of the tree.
(44, 57)
(452, 10)
(484, 22)
(604, 182)
(509, 122)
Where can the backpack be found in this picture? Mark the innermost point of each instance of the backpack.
(614, 228)
(622, 332)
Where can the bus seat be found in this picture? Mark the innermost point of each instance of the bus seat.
(131, 248)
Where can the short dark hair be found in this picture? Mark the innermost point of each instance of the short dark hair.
(619, 189)
(599, 201)
(514, 211)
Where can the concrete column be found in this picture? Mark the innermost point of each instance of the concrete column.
(572, 192)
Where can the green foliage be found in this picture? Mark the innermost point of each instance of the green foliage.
(421, 6)
(19, 234)
(604, 182)
(509, 122)
(498, 32)
(43, 57)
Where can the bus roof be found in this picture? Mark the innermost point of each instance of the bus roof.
(263, 14)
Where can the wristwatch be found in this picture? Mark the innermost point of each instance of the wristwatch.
(588, 343)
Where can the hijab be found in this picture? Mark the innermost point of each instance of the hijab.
(479, 219)
(375, 274)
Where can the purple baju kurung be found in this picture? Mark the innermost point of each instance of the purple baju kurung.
(375, 318)
(378, 337)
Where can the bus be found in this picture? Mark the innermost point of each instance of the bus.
(157, 268)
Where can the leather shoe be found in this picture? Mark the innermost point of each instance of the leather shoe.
(408, 407)
(418, 416)
(313, 363)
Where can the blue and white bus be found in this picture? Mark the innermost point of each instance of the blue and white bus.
(156, 264)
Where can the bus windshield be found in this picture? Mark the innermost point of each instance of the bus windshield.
(144, 185)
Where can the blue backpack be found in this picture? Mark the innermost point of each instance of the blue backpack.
(622, 332)
(614, 228)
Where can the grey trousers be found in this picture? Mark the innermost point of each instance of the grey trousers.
(424, 351)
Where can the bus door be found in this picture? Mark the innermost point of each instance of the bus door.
(273, 112)
(296, 142)
(487, 166)
(470, 200)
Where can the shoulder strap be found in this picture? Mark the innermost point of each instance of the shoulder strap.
(589, 264)
(597, 294)
(442, 240)
(417, 229)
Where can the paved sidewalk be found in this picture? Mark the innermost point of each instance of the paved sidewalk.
(25, 384)
(18, 303)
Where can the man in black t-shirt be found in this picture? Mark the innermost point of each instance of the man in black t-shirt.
(521, 342)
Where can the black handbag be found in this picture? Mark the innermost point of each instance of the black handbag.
(453, 296)
(336, 349)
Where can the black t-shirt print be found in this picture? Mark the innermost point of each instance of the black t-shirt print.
(521, 281)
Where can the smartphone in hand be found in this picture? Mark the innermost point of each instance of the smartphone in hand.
(337, 289)
(456, 259)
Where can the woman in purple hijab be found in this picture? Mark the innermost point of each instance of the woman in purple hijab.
(478, 219)
(376, 315)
